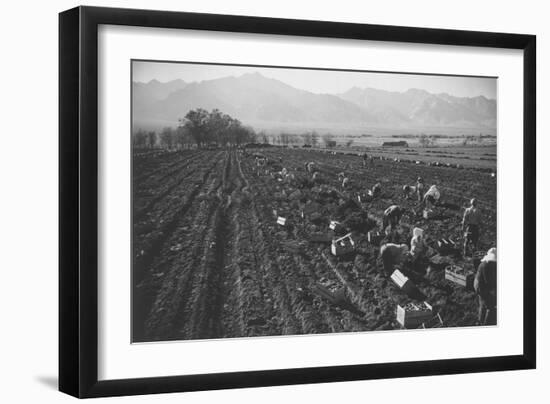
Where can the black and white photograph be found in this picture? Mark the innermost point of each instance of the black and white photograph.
(275, 201)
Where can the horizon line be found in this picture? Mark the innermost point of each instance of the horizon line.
(335, 94)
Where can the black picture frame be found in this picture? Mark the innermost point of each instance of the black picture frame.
(78, 200)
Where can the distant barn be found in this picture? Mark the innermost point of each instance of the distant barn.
(400, 143)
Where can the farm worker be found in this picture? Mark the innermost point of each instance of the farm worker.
(345, 182)
(418, 245)
(485, 285)
(365, 158)
(407, 190)
(393, 254)
(471, 222)
(392, 216)
(309, 166)
(376, 189)
(432, 196)
(419, 188)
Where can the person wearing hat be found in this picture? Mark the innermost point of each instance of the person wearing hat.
(431, 197)
(485, 285)
(393, 254)
(419, 188)
(471, 223)
(392, 216)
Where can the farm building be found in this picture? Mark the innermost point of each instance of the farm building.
(400, 143)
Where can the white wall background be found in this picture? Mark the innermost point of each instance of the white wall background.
(28, 206)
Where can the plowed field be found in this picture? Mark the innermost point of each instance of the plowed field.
(210, 260)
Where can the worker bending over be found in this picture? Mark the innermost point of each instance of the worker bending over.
(345, 182)
(393, 254)
(392, 216)
(431, 197)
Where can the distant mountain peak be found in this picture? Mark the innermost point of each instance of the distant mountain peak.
(267, 102)
(417, 91)
(253, 74)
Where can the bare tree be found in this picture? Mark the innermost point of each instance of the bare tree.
(285, 138)
(314, 139)
(167, 138)
(139, 139)
(262, 136)
(151, 139)
(307, 138)
(328, 139)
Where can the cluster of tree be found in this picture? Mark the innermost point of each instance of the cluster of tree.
(200, 128)
(215, 127)
(311, 138)
(144, 139)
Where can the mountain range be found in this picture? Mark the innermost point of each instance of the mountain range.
(264, 102)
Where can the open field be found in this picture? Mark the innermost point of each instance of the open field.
(477, 157)
(210, 260)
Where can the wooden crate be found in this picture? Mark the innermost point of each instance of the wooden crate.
(460, 276)
(374, 237)
(403, 282)
(435, 322)
(413, 315)
(343, 245)
(446, 246)
(282, 221)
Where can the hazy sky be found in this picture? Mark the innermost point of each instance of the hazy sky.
(321, 81)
